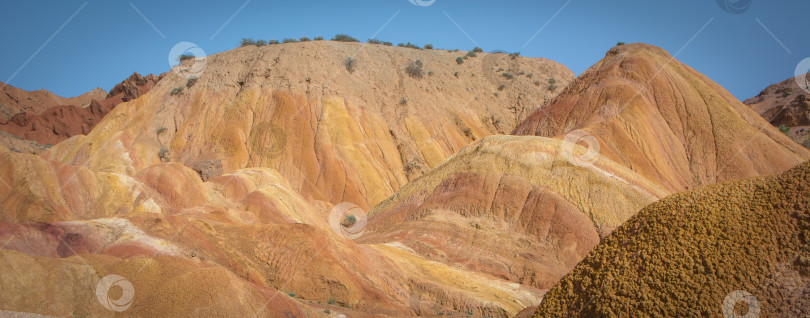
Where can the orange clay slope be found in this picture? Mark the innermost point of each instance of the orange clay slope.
(686, 255)
(665, 121)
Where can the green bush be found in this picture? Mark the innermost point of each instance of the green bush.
(460, 60)
(508, 75)
(304, 39)
(289, 40)
(318, 38)
(350, 63)
(164, 154)
(478, 49)
(331, 300)
(344, 38)
(184, 57)
(273, 41)
(530, 75)
(501, 87)
(261, 43)
(246, 42)
(537, 83)
(374, 41)
(784, 129)
(619, 43)
(191, 81)
(471, 54)
(429, 46)
(401, 45)
(552, 84)
(348, 221)
(414, 69)
(403, 101)
(177, 91)
(514, 55)
(413, 46)
(388, 43)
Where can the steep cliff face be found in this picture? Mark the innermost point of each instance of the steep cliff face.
(737, 246)
(665, 121)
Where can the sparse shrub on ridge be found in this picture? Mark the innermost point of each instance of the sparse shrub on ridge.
(471, 54)
(177, 91)
(344, 38)
(374, 41)
(619, 43)
(304, 39)
(386, 43)
(508, 75)
(460, 60)
(247, 42)
(501, 87)
(514, 55)
(261, 42)
(318, 38)
(289, 40)
(401, 45)
(184, 57)
(273, 41)
(478, 49)
(414, 69)
(428, 46)
(413, 46)
(552, 84)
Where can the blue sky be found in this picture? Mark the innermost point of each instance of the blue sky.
(107, 40)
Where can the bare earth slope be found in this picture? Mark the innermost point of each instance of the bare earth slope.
(665, 121)
(685, 255)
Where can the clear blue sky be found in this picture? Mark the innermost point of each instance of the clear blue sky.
(107, 40)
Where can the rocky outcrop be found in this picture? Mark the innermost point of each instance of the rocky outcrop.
(786, 105)
(57, 123)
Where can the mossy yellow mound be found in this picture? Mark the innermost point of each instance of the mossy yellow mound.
(683, 256)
